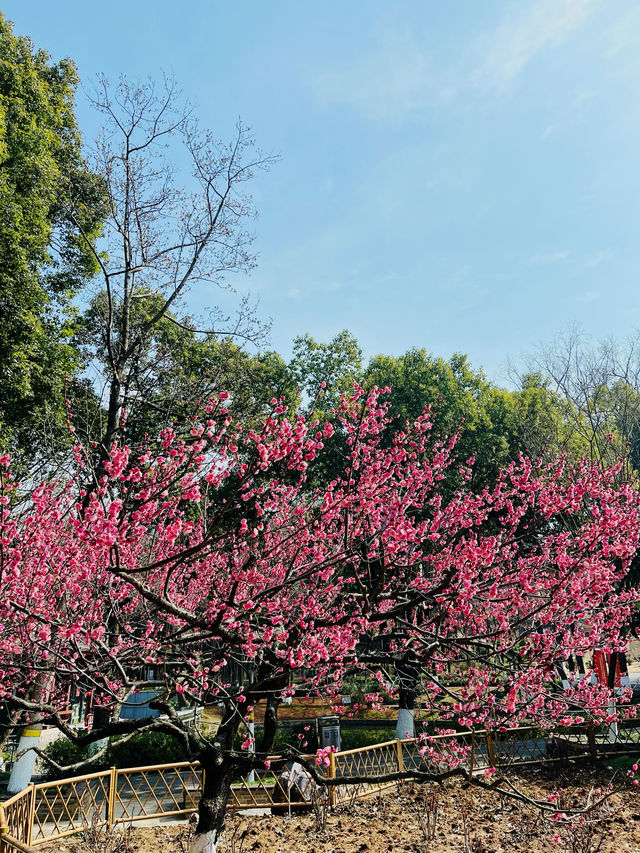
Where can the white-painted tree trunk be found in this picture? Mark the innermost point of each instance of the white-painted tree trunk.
(206, 842)
(22, 769)
(404, 726)
(252, 746)
(613, 727)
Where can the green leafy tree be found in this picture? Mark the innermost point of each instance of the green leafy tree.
(176, 371)
(322, 372)
(461, 399)
(544, 423)
(46, 193)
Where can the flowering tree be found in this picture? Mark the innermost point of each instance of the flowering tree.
(202, 552)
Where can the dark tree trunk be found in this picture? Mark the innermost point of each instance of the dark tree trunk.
(101, 716)
(108, 439)
(406, 705)
(407, 693)
(8, 719)
(213, 804)
(407, 699)
(274, 700)
(114, 413)
(219, 770)
(270, 723)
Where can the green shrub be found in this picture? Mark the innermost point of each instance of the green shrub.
(63, 752)
(355, 738)
(287, 737)
(142, 749)
(145, 748)
(621, 762)
(358, 686)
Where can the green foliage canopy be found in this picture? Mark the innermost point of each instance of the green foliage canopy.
(46, 195)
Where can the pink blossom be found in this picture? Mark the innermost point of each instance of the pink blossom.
(224, 546)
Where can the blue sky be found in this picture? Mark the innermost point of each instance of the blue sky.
(459, 176)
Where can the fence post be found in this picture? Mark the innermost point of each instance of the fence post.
(4, 827)
(111, 802)
(400, 755)
(591, 740)
(332, 775)
(31, 814)
(490, 754)
(473, 749)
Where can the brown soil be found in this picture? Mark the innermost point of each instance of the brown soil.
(469, 820)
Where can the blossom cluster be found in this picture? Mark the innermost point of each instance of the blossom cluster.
(194, 556)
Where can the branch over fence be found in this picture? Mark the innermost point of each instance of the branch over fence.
(52, 810)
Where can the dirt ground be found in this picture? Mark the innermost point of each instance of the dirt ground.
(467, 819)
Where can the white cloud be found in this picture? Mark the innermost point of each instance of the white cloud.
(458, 279)
(550, 257)
(393, 81)
(593, 261)
(405, 76)
(585, 264)
(523, 35)
(623, 36)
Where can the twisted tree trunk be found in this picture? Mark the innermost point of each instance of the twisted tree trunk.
(219, 768)
(212, 806)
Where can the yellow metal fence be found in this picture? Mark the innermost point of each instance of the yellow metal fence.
(52, 810)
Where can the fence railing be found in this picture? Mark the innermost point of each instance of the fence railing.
(52, 810)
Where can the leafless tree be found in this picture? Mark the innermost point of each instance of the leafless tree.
(159, 240)
(600, 382)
